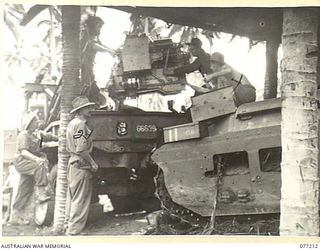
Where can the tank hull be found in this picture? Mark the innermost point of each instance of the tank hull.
(249, 145)
(122, 142)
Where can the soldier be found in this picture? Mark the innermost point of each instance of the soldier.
(90, 45)
(81, 166)
(32, 165)
(201, 63)
(224, 75)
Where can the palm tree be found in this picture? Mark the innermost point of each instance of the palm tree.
(13, 58)
(300, 179)
(271, 76)
(70, 89)
(53, 40)
(71, 86)
(49, 48)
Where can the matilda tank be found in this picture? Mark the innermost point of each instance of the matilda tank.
(226, 161)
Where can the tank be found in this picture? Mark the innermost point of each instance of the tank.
(124, 138)
(227, 155)
(122, 143)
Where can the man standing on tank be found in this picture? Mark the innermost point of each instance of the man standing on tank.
(90, 45)
(201, 64)
(81, 166)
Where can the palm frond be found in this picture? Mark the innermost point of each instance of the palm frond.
(46, 39)
(26, 59)
(209, 36)
(175, 28)
(47, 22)
(57, 14)
(13, 14)
(194, 32)
(7, 57)
(232, 38)
(32, 13)
(11, 80)
(11, 26)
(19, 8)
(185, 35)
(252, 43)
(216, 34)
(155, 32)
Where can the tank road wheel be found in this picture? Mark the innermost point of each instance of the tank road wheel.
(44, 213)
(52, 178)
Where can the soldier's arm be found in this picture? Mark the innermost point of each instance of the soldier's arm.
(27, 154)
(186, 69)
(23, 143)
(223, 71)
(46, 136)
(102, 48)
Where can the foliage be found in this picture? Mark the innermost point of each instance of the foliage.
(11, 15)
(139, 23)
(51, 42)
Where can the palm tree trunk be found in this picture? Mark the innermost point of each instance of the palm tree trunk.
(271, 77)
(300, 180)
(70, 89)
(52, 43)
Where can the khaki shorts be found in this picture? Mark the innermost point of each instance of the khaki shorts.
(244, 94)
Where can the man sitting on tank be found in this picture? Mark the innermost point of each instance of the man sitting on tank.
(224, 75)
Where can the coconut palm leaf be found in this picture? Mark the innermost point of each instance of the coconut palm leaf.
(46, 38)
(175, 28)
(185, 35)
(19, 8)
(154, 33)
(7, 57)
(32, 12)
(194, 32)
(252, 43)
(11, 80)
(47, 22)
(216, 34)
(14, 11)
(13, 14)
(11, 26)
(57, 14)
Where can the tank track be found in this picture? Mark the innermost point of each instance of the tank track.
(175, 209)
(204, 226)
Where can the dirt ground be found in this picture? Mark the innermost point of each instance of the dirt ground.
(142, 223)
(99, 223)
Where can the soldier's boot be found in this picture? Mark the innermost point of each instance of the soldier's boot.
(16, 219)
(42, 194)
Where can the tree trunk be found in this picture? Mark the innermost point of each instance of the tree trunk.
(70, 90)
(299, 175)
(271, 76)
(52, 43)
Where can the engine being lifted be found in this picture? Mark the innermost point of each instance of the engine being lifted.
(141, 66)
